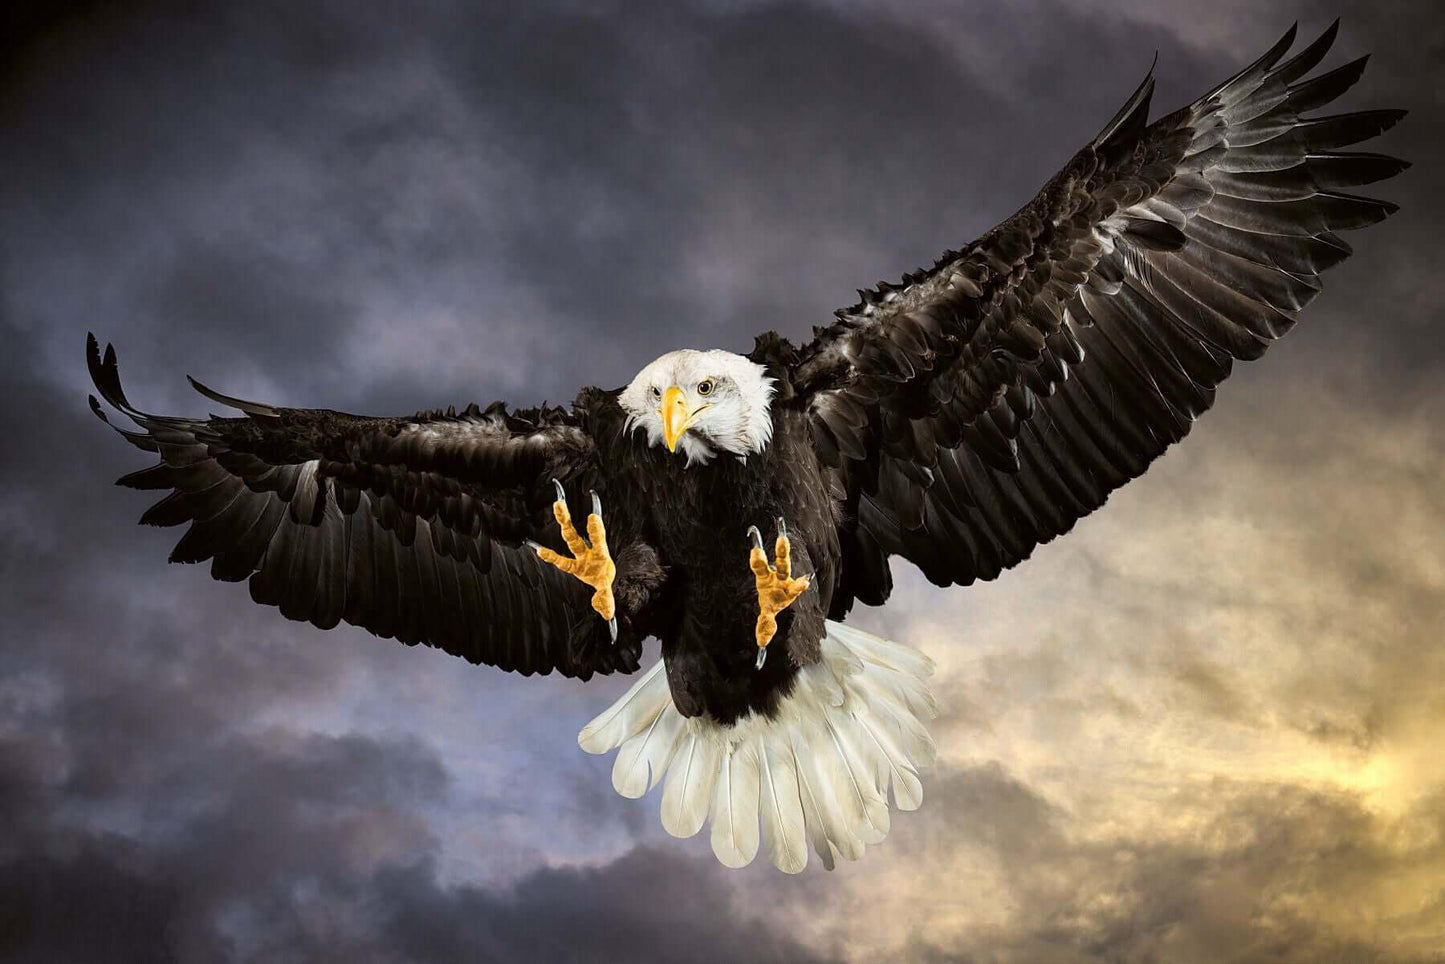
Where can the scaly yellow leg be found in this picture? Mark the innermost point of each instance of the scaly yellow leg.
(592, 564)
(776, 586)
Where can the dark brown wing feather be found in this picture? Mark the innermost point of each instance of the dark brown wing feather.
(409, 527)
(980, 408)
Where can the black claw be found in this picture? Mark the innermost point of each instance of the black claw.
(612, 628)
(561, 492)
(782, 527)
(596, 504)
(534, 546)
(762, 657)
(757, 537)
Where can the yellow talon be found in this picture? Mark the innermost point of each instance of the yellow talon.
(591, 564)
(777, 589)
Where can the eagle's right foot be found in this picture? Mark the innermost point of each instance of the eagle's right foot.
(590, 563)
(776, 586)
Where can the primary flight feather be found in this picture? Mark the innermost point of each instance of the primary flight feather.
(957, 419)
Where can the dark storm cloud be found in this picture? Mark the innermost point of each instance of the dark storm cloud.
(586, 915)
(315, 850)
(663, 177)
(319, 204)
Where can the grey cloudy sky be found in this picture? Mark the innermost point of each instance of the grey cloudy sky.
(1200, 728)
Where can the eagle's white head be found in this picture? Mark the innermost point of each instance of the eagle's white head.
(702, 403)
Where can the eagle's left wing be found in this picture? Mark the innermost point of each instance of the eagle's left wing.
(410, 527)
(980, 408)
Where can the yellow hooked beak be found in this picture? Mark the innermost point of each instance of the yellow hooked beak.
(676, 416)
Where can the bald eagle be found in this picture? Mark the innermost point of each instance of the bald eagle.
(736, 506)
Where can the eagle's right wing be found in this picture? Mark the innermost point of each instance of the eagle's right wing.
(410, 527)
(982, 407)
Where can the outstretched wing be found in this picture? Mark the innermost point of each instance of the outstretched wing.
(409, 527)
(980, 408)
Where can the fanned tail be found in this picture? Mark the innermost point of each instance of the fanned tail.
(820, 770)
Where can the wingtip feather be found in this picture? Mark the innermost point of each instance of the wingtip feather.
(1129, 116)
(250, 408)
(1308, 58)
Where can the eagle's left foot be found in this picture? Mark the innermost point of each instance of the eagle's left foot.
(776, 586)
(592, 564)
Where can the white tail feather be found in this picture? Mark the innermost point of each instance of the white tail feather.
(907, 789)
(643, 759)
(619, 721)
(784, 833)
(818, 771)
(735, 806)
(812, 813)
(687, 794)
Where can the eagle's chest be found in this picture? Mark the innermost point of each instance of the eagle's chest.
(701, 514)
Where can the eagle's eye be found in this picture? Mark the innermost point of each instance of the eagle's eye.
(704, 387)
(656, 392)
